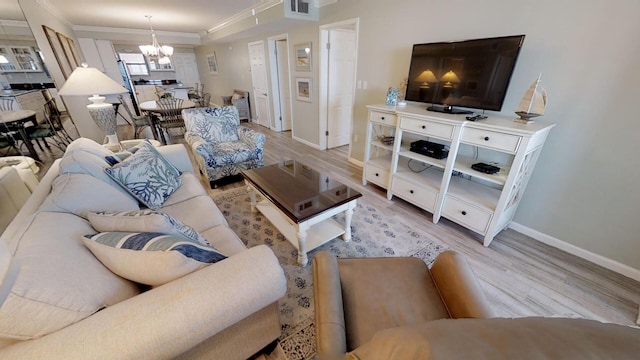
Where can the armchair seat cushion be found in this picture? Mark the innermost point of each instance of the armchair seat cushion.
(229, 153)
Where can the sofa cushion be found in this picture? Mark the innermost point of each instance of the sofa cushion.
(150, 258)
(198, 212)
(117, 157)
(191, 187)
(143, 221)
(60, 281)
(81, 193)
(147, 175)
(85, 156)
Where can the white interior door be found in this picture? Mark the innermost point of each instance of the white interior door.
(284, 85)
(186, 68)
(340, 82)
(259, 81)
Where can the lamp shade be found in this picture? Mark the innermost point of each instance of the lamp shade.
(426, 77)
(90, 81)
(450, 77)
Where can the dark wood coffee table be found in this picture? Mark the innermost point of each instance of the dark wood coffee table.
(300, 202)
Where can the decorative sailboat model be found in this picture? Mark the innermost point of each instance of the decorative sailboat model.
(532, 104)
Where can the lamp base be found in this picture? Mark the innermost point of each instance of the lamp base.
(112, 143)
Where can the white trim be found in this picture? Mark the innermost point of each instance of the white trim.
(275, 85)
(102, 29)
(315, 146)
(574, 250)
(356, 162)
(244, 14)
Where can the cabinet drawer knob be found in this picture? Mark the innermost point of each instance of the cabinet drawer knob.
(377, 174)
(411, 191)
(424, 127)
(464, 212)
(382, 118)
(486, 138)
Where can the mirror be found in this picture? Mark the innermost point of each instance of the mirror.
(24, 77)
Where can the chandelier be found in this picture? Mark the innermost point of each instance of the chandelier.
(155, 50)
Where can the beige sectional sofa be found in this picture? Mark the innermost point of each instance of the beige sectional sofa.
(65, 304)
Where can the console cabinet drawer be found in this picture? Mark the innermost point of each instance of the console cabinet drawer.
(383, 118)
(377, 175)
(491, 139)
(419, 195)
(428, 128)
(466, 214)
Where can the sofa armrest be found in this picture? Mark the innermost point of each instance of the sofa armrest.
(331, 339)
(168, 320)
(178, 156)
(459, 288)
(251, 137)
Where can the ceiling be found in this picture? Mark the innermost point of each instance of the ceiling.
(190, 16)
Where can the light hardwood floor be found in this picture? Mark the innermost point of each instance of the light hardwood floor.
(521, 277)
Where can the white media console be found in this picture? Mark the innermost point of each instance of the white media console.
(449, 187)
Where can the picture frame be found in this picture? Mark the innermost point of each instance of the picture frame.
(303, 89)
(58, 51)
(392, 97)
(303, 55)
(66, 49)
(212, 63)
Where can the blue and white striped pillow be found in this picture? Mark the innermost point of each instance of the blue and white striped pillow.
(150, 258)
(146, 220)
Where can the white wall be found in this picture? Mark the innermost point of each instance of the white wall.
(583, 191)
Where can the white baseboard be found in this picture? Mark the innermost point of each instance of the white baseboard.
(612, 265)
(315, 146)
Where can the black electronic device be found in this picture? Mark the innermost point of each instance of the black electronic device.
(476, 117)
(485, 168)
(430, 149)
(469, 73)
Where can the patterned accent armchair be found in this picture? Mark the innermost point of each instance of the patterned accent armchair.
(221, 146)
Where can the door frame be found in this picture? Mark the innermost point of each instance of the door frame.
(266, 73)
(352, 24)
(275, 84)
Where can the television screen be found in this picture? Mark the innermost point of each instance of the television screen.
(471, 73)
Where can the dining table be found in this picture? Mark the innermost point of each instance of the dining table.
(151, 107)
(14, 121)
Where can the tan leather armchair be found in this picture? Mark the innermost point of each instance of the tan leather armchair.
(356, 298)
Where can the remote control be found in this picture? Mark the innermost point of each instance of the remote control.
(476, 117)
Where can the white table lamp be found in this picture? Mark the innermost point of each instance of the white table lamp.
(90, 81)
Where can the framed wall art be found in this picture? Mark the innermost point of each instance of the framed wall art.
(212, 62)
(303, 56)
(58, 51)
(303, 89)
(66, 49)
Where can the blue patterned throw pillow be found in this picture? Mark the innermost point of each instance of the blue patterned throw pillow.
(143, 221)
(150, 258)
(147, 175)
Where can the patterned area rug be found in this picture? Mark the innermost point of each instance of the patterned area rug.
(374, 234)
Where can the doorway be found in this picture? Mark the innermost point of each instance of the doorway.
(186, 68)
(259, 82)
(338, 59)
(280, 82)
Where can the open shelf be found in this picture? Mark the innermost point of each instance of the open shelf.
(480, 195)
(430, 177)
(405, 152)
(463, 165)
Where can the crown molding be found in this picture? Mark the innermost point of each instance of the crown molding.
(244, 14)
(111, 30)
(53, 11)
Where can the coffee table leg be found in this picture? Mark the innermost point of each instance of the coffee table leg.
(302, 244)
(252, 196)
(348, 214)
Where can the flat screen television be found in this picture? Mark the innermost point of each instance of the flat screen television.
(469, 74)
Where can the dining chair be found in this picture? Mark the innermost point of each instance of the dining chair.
(139, 121)
(204, 100)
(54, 115)
(170, 117)
(7, 142)
(7, 104)
(49, 129)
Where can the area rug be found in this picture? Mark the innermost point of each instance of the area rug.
(374, 234)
